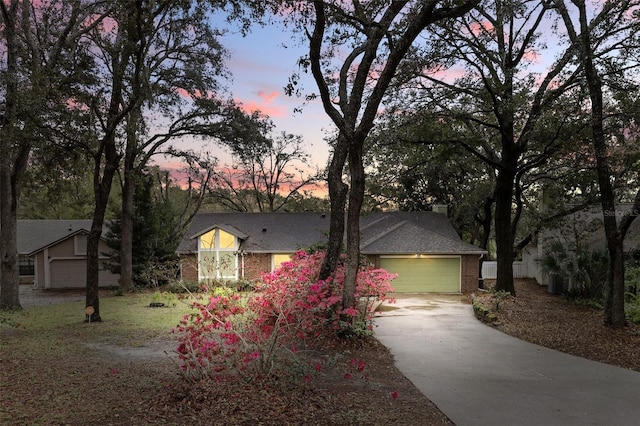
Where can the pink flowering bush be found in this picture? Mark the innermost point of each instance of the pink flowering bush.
(259, 334)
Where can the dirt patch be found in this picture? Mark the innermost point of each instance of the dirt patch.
(88, 374)
(106, 384)
(160, 349)
(30, 297)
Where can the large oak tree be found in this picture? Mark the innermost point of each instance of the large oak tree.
(39, 67)
(355, 51)
(602, 43)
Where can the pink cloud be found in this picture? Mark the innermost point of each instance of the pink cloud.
(267, 97)
(481, 27)
(196, 94)
(532, 56)
(263, 107)
(179, 176)
(73, 104)
(446, 74)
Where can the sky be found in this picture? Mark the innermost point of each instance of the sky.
(260, 65)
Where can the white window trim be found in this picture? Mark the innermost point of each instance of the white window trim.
(217, 252)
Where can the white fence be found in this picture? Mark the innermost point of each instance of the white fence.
(490, 270)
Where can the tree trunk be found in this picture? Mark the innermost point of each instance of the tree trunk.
(485, 223)
(10, 289)
(126, 230)
(10, 173)
(102, 189)
(614, 304)
(128, 191)
(504, 236)
(92, 300)
(356, 198)
(10, 188)
(338, 197)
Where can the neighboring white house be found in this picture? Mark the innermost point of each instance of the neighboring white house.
(585, 228)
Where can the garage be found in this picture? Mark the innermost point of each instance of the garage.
(68, 273)
(72, 273)
(424, 274)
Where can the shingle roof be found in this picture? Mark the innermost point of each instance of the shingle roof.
(382, 233)
(34, 235)
(412, 232)
(264, 232)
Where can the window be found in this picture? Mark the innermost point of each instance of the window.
(80, 244)
(26, 266)
(217, 255)
(278, 259)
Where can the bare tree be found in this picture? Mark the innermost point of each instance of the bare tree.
(265, 175)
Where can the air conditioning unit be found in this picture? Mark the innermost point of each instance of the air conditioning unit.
(440, 208)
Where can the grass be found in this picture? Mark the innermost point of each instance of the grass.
(55, 329)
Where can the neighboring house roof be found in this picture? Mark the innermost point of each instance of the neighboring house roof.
(588, 226)
(382, 233)
(35, 235)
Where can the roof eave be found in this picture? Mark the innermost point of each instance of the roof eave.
(59, 240)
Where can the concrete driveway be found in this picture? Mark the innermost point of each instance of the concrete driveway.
(479, 376)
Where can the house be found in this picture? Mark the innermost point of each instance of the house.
(585, 229)
(423, 248)
(52, 254)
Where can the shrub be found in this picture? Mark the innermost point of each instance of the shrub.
(258, 335)
(163, 298)
(184, 287)
(584, 271)
(632, 308)
(632, 279)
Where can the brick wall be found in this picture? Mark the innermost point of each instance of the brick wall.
(469, 273)
(255, 264)
(189, 267)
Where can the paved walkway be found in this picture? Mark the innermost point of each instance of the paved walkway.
(479, 376)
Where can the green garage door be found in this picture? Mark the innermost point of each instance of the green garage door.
(424, 275)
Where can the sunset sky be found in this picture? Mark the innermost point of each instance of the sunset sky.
(260, 66)
(261, 63)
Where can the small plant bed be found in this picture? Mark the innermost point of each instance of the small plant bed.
(550, 320)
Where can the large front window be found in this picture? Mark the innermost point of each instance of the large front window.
(217, 251)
